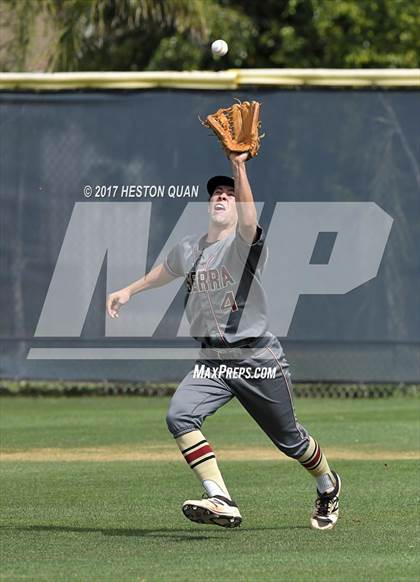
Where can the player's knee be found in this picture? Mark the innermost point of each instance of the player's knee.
(171, 421)
(179, 421)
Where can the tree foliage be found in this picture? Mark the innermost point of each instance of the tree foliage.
(70, 35)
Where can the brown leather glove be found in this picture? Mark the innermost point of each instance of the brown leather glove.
(237, 128)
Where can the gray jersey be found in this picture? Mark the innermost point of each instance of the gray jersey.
(221, 279)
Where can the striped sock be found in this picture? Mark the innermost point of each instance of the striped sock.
(202, 460)
(316, 463)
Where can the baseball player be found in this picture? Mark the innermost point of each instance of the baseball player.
(226, 310)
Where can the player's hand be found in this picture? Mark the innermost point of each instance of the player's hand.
(238, 158)
(115, 301)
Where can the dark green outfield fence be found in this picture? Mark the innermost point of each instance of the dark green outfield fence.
(322, 145)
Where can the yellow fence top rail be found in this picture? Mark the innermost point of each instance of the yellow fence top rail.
(229, 79)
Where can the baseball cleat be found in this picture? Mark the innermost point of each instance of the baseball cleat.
(217, 510)
(325, 514)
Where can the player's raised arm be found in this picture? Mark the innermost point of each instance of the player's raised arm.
(247, 213)
(237, 128)
(157, 277)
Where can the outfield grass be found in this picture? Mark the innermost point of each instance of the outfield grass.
(122, 520)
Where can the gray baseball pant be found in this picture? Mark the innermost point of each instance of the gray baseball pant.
(269, 401)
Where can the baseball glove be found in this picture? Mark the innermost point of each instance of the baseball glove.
(237, 128)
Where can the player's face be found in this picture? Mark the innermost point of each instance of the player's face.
(222, 206)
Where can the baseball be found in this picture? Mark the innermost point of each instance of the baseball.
(219, 47)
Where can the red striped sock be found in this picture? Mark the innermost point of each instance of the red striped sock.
(202, 460)
(198, 453)
(314, 460)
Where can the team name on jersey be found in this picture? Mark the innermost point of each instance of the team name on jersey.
(208, 280)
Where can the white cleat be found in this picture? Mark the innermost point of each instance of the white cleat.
(217, 510)
(326, 511)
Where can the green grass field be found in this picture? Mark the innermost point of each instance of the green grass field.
(120, 520)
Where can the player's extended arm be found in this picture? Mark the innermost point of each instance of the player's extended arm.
(247, 213)
(155, 278)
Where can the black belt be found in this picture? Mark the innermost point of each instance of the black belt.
(237, 352)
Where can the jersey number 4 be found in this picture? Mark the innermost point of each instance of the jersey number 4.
(229, 302)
